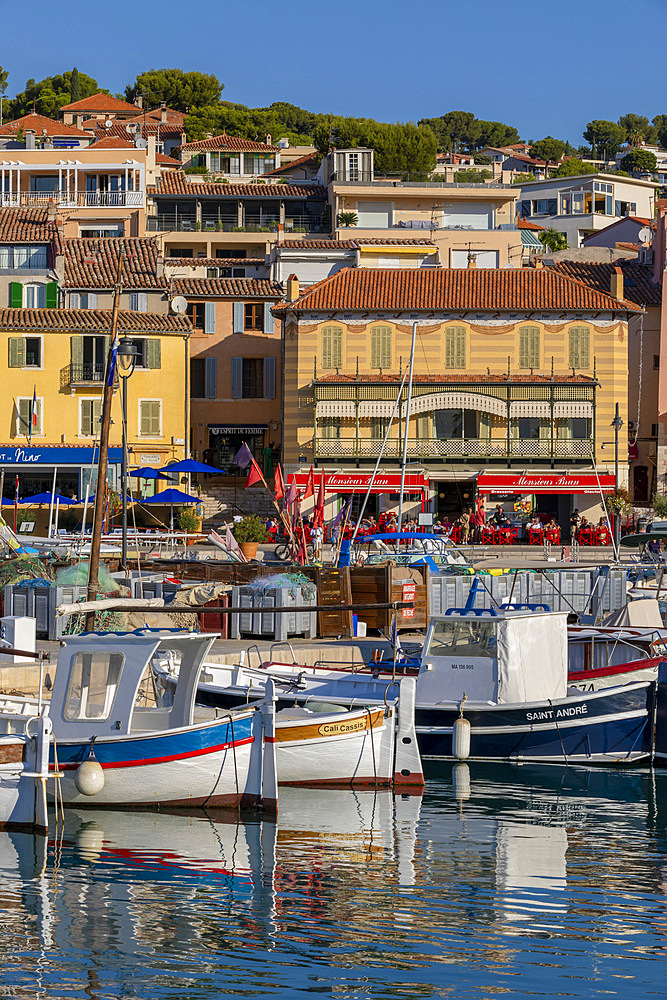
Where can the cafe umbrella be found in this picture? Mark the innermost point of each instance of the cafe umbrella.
(170, 497)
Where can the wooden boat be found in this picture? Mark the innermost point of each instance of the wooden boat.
(24, 767)
(119, 745)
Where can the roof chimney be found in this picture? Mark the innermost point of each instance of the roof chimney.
(29, 139)
(268, 139)
(281, 233)
(616, 283)
(292, 288)
(51, 211)
(538, 263)
(139, 101)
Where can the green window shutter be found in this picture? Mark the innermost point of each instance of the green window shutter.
(76, 351)
(580, 340)
(86, 417)
(15, 294)
(455, 347)
(529, 347)
(150, 418)
(16, 352)
(332, 347)
(52, 295)
(381, 347)
(23, 410)
(154, 353)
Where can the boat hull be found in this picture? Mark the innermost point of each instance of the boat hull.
(206, 765)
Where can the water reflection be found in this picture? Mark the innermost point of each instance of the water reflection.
(526, 881)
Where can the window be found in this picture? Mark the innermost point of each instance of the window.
(198, 378)
(332, 347)
(573, 428)
(545, 206)
(252, 378)
(93, 682)
(16, 258)
(34, 296)
(83, 300)
(138, 301)
(253, 316)
(197, 314)
(32, 352)
(90, 414)
(656, 362)
(381, 347)
(455, 347)
(149, 352)
(150, 417)
(529, 428)
(24, 415)
(330, 427)
(529, 347)
(378, 427)
(97, 232)
(580, 339)
(654, 431)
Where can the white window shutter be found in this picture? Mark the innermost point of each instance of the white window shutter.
(134, 301)
(74, 300)
(269, 378)
(209, 317)
(211, 377)
(268, 317)
(237, 378)
(239, 322)
(142, 302)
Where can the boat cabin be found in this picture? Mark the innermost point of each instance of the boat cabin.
(105, 684)
(496, 657)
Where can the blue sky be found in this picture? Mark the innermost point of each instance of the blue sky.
(545, 68)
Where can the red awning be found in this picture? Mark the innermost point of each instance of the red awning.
(545, 482)
(357, 482)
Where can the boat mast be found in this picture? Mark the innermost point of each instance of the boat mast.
(96, 539)
(407, 426)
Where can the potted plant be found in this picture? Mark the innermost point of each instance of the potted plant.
(188, 521)
(249, 533)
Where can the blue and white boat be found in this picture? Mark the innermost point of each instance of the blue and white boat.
(118, 742)
(504, 673)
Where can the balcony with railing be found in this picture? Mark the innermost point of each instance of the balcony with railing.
(74, 375)
(226, 222)
(69, 199)
(448, 449)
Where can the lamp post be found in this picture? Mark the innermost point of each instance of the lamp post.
(616, 423)
(127, 359)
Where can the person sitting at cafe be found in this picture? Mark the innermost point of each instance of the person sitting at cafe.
(499, 519)
(534, 524)
(552, 524)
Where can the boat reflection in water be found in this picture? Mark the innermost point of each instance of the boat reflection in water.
(524, 880)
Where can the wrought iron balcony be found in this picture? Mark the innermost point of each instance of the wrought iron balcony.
(445, 449)
(73, 375)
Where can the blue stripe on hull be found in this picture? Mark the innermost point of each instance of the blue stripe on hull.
(617, 738)
(111, 750)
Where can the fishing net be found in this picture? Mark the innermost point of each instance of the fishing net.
(77, 575)
(25, 568)
(285, 581)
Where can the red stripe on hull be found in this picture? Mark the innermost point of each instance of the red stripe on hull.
(112, 765)
(619, 668)
(369, 782)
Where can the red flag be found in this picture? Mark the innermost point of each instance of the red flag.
(279, 483)
(318, 517)
(254, 475)
(310, 485)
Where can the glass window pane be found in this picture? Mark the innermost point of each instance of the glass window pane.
(93, 683)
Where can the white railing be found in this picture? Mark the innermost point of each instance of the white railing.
(434, 448)
(66, 199)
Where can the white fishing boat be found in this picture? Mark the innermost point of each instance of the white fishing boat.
(25, 739)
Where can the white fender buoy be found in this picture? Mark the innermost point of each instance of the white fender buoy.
(90, 842)
(89, 777)
(461, 782)
(461, 739)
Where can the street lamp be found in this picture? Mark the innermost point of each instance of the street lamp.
(126, 361)
(616, 423)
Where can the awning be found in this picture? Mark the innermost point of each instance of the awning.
(429, 403)
(546, 482)
(542, 408)
(54, 455)
(354, 482)
(335, 408)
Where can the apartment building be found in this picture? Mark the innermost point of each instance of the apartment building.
(230, 156)
(55, 354)
(30, 243)
(516, 372)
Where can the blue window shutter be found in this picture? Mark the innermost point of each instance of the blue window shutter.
(269, 378)
(209, 317)
(268, 318)
(239, 322)
(237, 378)
(211, 388)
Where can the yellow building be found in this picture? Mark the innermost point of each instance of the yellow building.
(58, 357)
(516, 372)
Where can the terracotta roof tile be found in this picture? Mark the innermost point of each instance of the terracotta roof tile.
(314, 157)
(253, 288)
(92, 321)
(111, 142)
(453, 377)
(118, 129)
(37, 123)
(638, 286)
(527, 224)
(155, 115)
(453, 290)
(100, 102)
(167, 161)
(178, 184)
(231, 142)
(353, 244)
(92, 263)
(26, 225)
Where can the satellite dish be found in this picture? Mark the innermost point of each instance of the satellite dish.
(644, 234)
(179, 304)
(108, 123)
(131, 129)
(140, 143)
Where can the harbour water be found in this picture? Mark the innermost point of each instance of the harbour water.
(522, 881)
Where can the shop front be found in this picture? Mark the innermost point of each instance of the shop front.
(551, 494)
(384, 495)
(224, 441)
(34, 470)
